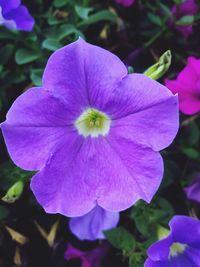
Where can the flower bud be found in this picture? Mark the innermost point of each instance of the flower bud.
(157, 70)
(162, 232)
(14, 192)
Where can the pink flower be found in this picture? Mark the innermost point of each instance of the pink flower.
(90, 258)
(125, 2)
(187, 85)
(187, 8)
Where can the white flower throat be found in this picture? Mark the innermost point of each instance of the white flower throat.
(93, 122)
(177, 248)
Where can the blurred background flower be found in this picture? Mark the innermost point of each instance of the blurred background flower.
(187, 85)
(13, 15)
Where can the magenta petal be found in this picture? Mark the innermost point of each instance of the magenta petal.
(92, 225)
(187, 85)
(90, 258)
(125, 2)
(83, 74)
(188, 7)
(174, 86)
(188, 76)
(137, 101)
(189, 104)
(194, 65)
(34, 126)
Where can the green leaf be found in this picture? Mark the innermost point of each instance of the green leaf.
(83, 12)
(130, 69)
(61, 32)
(165, 9)
(6, 52)
(36, 76)
(51, 44)
(8, 34)
(99, 16)
(24, 56)
(178, 2)
(158, 212)
(194, 134)
(60, 3)
(9, 174)
(121, 239)
(52, 20)
(3, 212)
(155, 19)
(191, 152)
(185, 20)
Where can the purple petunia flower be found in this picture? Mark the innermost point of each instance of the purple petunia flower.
(193, 191)
(125, 2)
(92, 131)
(13, 15)
(187, 8)
(180, 248)
(187, 85)
(92, 225)
(92, 258)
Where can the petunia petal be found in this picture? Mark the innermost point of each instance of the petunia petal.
(181, 260)
(192, 237)
(160, 250)
(94, 172)
(83, 74)
(193, 190)
(189, 104)
(35, 124)
(125, 2)
(64, 185)
(134, 107)
(193, 255)
(21, 16)
(194, 64)
(150, 263)
(188, 76)
(8, 5)
(129, 169)
(92, 225)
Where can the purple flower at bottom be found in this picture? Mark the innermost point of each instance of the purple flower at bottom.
(91, 258)
(181, 248)
(125, 2)
(92, 225)
(187, 8)
(193, 191)
(92, 132)
(13, 15)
